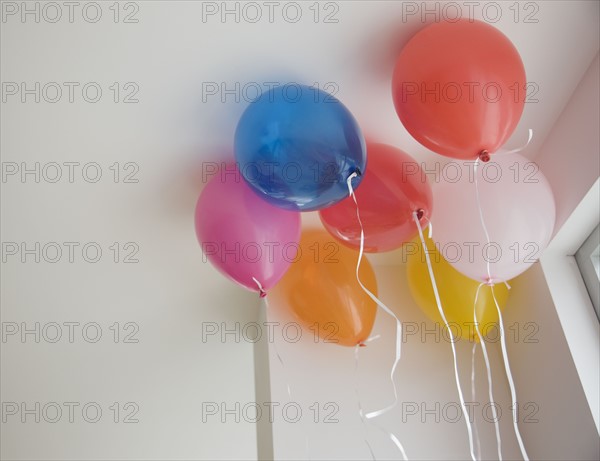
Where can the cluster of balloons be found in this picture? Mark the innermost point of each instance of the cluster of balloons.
(458, 89)
(298, 148)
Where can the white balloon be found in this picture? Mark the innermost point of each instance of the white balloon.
(518, 210)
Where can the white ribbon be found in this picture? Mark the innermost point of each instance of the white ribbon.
(518, 149)
(360, 409)
(474, 399)
(441, 311)
(513, 393)
(489, 375)
(511, 383)
(374, 414)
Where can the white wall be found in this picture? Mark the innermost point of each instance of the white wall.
(575, 180)
(569, 156)
(555, 420)
(545, 373)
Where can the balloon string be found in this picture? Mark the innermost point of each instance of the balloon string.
(490, 282)
(429, 226)
(474, 399)
(283, 367)
(372, 338)
(518, 149)
(479, 208)
(382, 411)
(475, 165)
(513, 392)
(489, 375)
(261, 291)
(360, 409)
(441, 311)
(391, 435)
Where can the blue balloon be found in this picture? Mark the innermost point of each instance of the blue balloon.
(297, 145)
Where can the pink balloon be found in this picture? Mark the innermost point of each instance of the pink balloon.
(518, 210)
(242, 235)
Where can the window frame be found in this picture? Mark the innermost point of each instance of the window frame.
(588, 250)
(570, 297)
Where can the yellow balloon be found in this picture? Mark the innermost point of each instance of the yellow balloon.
(457, 293)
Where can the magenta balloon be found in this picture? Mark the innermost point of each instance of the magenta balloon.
(242, 235)
(518, 210)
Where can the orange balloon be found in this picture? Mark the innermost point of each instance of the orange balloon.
(459, 88)
(321, 291)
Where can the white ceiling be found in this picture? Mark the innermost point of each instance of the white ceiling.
(358, 54)
(171, 53)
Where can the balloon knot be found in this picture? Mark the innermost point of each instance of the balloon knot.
(484, 156)
(357, 171)
(420, 213)
(489, 282)
(262, 293)
(362, 345)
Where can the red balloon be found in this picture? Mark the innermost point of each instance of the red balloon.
(393, 187)
(459, 88)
